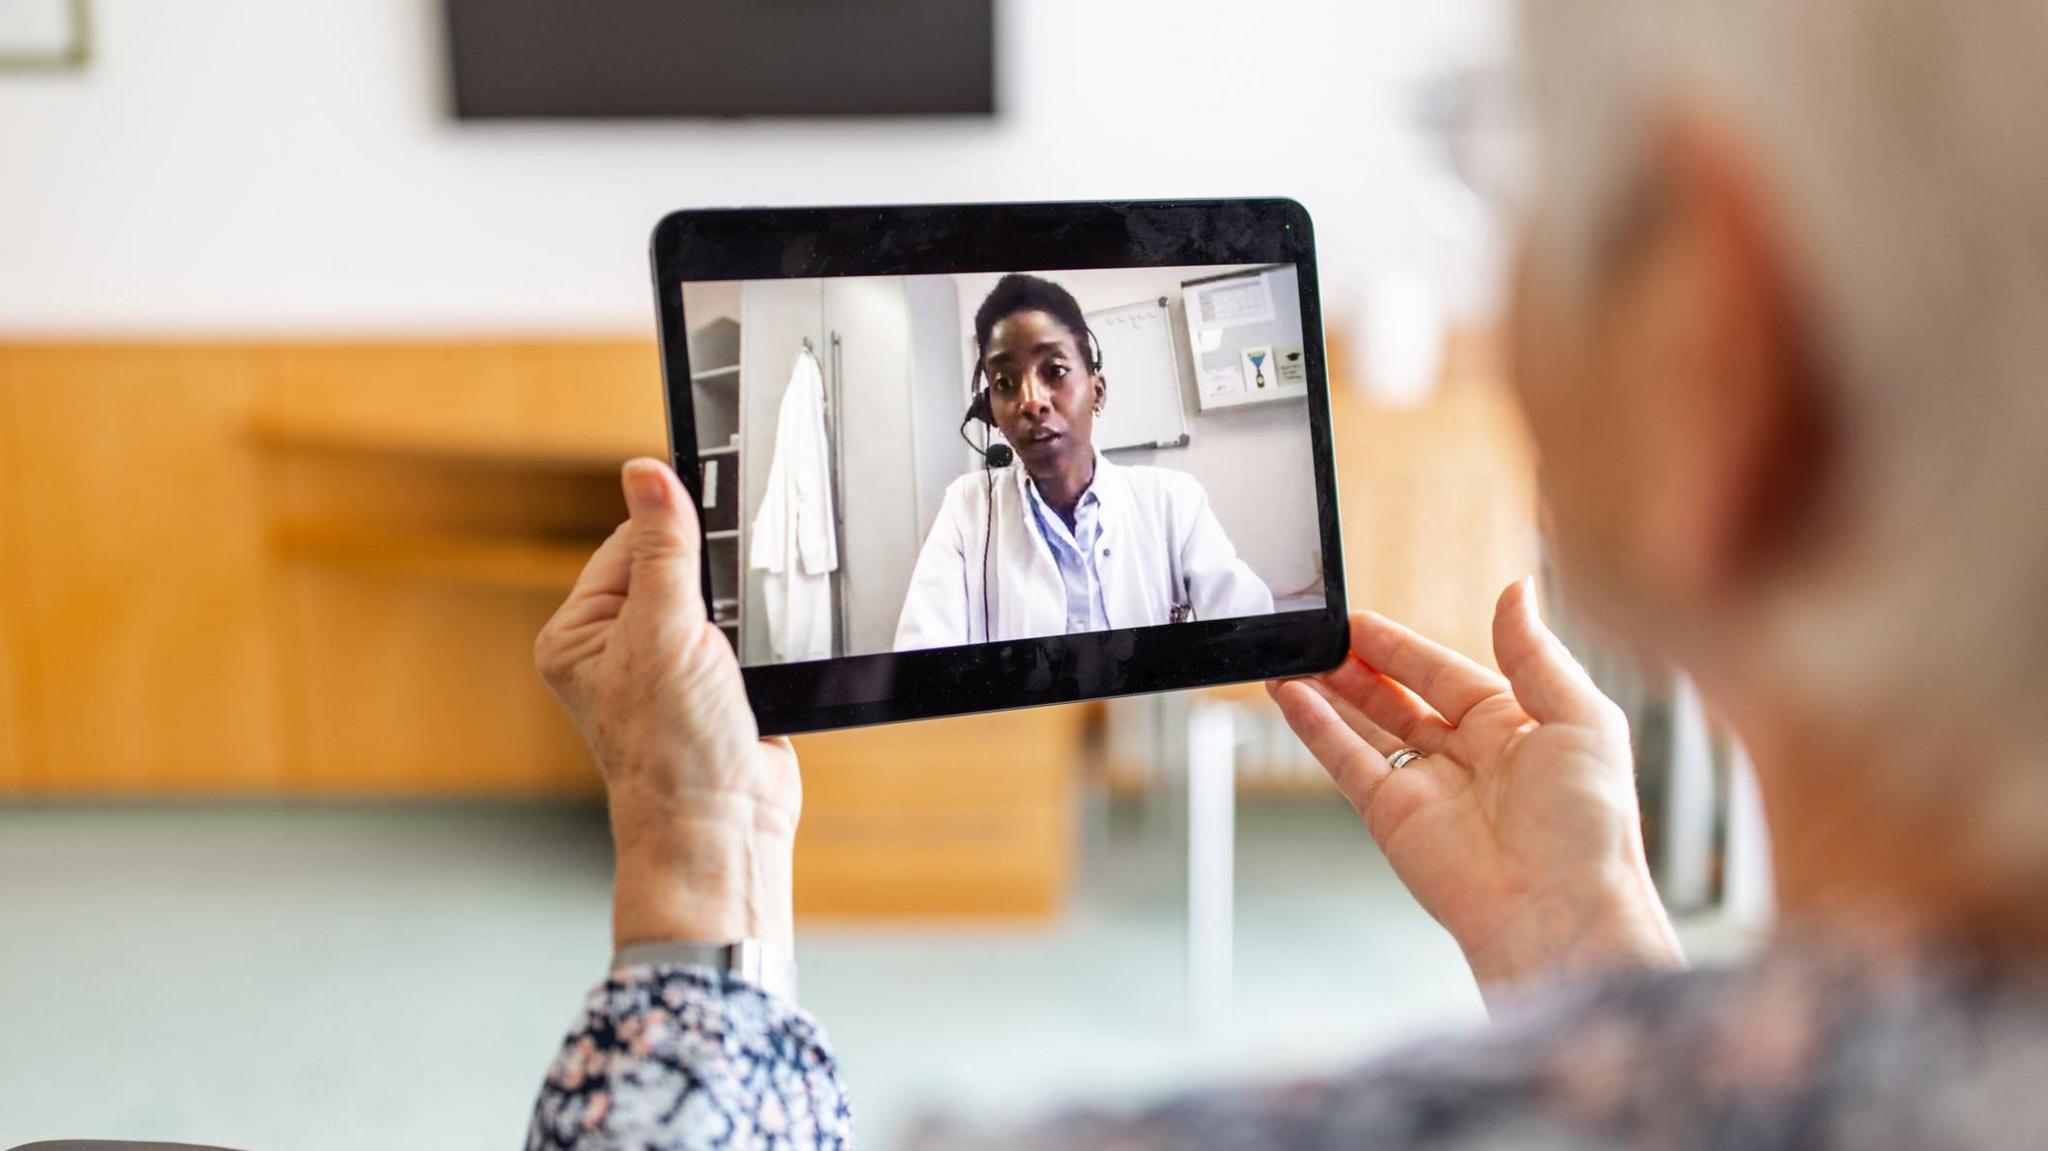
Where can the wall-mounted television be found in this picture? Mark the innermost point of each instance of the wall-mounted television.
(545, 59)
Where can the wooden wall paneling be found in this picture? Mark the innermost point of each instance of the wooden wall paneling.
(532, 404)
(147, 605)
(1439, 500)
(14, 709)
(412, 497)
(428, 499)
(606, 394)
(964, 816)
(456, 399)
(402, 687)
(424, 548)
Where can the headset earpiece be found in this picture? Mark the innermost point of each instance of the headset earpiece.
(992, 455)
(981, 409)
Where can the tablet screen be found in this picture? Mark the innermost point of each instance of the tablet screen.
(962, 457)
(911, 462)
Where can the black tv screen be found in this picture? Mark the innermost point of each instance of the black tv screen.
(638, 58)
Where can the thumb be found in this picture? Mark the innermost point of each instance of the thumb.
(1549, 684)
(662, 545)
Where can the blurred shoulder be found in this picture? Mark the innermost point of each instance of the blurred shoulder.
(1797, 1050)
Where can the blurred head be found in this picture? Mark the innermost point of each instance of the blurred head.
(1782, 336)
(1044, 384)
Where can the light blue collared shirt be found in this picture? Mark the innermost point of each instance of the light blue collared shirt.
(1075, 552)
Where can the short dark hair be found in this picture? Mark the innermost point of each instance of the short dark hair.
(1019, 292)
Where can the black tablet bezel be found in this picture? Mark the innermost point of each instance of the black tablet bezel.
(773, 243)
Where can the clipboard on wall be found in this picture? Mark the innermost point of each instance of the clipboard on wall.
(1244, 337)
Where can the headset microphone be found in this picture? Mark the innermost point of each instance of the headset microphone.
(992, 456)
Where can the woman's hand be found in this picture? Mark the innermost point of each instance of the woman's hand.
(703, 810)
(1518, 829)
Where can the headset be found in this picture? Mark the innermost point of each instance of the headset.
(994, 456)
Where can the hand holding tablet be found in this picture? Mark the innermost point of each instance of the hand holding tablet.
(703, 811)
(932, 486)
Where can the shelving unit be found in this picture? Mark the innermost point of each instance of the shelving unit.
(714, 392)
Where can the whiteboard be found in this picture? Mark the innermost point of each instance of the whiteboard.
(1144, 407)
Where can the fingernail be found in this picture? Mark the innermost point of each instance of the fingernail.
(646, 487)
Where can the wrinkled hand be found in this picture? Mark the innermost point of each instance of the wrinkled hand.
(1519, 829)
(703, 810)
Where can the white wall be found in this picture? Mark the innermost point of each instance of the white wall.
(249, 166)
(938, 391)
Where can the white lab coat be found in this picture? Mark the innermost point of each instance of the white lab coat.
(1160, 546)
(793, 538)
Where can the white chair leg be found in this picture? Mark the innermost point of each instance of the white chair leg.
(1212, 830)
(1686, 879)
(1746, 884)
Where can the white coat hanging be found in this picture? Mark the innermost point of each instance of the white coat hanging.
(793, 539)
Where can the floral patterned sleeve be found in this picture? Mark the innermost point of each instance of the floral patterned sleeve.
(675, 1056)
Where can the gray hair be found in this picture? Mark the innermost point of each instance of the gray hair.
(1904, 143)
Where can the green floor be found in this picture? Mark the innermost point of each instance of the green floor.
(310, 978)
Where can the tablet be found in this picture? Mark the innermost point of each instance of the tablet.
(961, 458)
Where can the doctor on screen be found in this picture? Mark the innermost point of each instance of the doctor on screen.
(1061, 540)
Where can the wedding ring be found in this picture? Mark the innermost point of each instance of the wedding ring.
(1402, 758)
